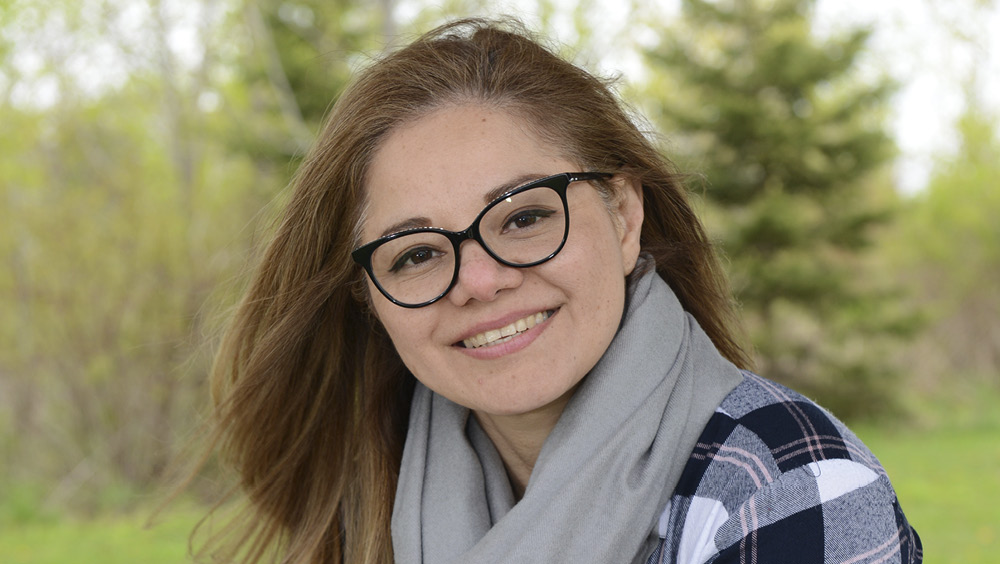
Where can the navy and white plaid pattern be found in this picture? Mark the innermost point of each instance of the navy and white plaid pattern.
(776, 479)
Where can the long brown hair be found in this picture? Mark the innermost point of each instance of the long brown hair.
(312, 400)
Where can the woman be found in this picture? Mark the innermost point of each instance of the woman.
(489, 328)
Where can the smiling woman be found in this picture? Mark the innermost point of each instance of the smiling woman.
(578, 294)
(491, 329)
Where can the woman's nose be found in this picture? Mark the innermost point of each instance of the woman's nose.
(481, 277)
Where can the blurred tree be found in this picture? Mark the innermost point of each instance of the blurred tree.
(948, 246)
(117, 223)
(790, 138)
(124, 199)
(299, 56)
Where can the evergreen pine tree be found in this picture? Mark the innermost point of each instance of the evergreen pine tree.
(791, 142)
(298, 57)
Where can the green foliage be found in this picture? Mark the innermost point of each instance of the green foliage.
(947, 248)
(122, 213)
(791, 142)
(124, 210)
(298, 57)
(113, 249)
(24, 504)
(961, 206)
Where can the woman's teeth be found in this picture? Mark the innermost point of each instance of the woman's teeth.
(504, 334)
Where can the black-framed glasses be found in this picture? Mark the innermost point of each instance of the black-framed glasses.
(524, 227)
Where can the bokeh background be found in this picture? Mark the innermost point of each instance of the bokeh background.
(844, 154)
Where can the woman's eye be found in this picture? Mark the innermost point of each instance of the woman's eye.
(414, 257)
(526, 219)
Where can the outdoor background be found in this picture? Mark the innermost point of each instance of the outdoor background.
(844, 154)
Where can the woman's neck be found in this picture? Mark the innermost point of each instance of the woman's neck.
(519, 438)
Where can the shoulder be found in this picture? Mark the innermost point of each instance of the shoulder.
(771, 465)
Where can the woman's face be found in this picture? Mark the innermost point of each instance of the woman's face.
(437, 170)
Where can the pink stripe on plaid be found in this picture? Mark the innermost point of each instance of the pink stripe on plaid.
(719, 447)
(806, 439)
(810, 448)
(887, 544)
(743, 537)
(870, 461)
(749, 511)
(795, 411)
(743, 465)
(862, 454)
(813, 444)
(756, 527)
(747, 454)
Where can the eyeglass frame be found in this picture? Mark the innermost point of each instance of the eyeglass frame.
(363, 254)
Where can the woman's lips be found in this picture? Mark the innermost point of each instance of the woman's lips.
(506, 333)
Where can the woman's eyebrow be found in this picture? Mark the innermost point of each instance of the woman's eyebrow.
(502, 189)
(492, 194)
(411, 223)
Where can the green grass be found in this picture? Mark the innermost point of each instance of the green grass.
(948, 483)
(117, 539)
(947, 475)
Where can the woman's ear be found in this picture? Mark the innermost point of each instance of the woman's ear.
(629, 219)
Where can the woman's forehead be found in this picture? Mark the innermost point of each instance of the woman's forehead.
(452, 160)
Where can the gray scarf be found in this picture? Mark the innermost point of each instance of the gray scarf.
(604, 473)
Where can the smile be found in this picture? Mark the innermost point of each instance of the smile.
(506, 333)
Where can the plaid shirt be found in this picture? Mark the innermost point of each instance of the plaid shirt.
(776, 479)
